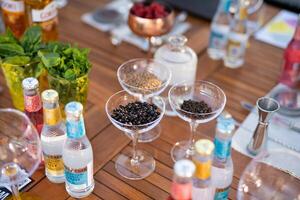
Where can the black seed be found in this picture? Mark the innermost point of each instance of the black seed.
(136, 113)
(196, 109)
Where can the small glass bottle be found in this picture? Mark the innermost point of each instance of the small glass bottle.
(182, 181)
(13, 14)
(33, 103)
(219, 31)
(53, 137)
(222, 167)
(182, 62)
(77, 154)
(202, 187)
(43, 13)
(290, 75)
(237, 38)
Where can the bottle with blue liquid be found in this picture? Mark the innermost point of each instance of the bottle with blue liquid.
(220, 27)
(222, 167)
(77, 154)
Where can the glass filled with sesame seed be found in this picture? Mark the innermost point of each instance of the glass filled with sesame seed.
(197, 103)
(134, 117)
(144, 78)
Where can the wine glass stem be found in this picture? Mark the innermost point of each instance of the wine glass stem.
(149, 54)
(193, 126)
(15, 192)
(135, 157)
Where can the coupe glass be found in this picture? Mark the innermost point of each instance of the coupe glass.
(138, 66)
(139, 164)
(197, 91)
(262, 181)
(20, 149)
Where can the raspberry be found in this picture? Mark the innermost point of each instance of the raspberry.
(152, 11)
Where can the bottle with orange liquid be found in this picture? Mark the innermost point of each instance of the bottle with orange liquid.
(13, 13)
(44, 14)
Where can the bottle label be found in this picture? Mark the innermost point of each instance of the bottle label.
(80, 178)
(237, 45)
(75, 129)
(203, 169)
(52, 116)
(291, 73)
(218, 37)
(32, 103)
(54, 164)
(13, 6)
(221, 194)
(46, 14)
(181, 191)
(222, 149)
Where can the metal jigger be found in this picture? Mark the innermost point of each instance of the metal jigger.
(266, 107)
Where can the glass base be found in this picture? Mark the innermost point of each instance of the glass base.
(25, 196)
(182, 150)
(151, 135)
(137, 171)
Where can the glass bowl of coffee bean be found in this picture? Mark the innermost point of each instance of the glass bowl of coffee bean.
(134, 117)
(196, 103)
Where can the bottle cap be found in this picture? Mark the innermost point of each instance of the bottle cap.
(30, 83)
(184, 168)
(50, 96)
(74, 109)
(204, 147)
(225, 123)
(177, 40)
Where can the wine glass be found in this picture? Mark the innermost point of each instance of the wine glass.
(144, 78)
(20, 149)
(273, 174)
(140, 164)
(198, 91)
(149, 28)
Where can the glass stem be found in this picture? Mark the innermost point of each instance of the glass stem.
(15, 192)
(193, 126)
(149, 53)
(135, 157)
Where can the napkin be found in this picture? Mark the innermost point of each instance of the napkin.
(279, 137)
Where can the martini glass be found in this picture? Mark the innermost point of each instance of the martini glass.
(273, 174)
(20, 150)
(129, 74)
(139, 164)
(197, 91)
(149, 28)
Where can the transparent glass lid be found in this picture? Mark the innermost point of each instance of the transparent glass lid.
(175, 51)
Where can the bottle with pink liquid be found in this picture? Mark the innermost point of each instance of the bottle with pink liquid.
(291, 68)
(183, 180)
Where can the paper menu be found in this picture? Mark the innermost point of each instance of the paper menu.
(279, 31)
(6, 192)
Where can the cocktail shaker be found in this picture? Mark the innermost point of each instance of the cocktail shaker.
(266, 108)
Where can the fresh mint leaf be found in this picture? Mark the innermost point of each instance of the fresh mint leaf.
(10, 49)
(49, 59)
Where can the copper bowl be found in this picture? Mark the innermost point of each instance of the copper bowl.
(146, 27)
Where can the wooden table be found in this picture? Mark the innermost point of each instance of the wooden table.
(255, 79)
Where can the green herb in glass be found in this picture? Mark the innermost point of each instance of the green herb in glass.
(19, 60)
(68, 67)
